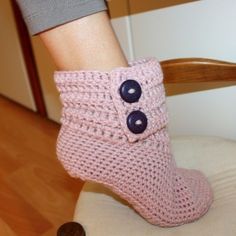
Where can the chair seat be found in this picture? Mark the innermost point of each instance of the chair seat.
(103, 213)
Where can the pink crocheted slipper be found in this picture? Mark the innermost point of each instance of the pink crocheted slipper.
(114, 132)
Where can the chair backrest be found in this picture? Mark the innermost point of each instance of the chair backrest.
(182, 76)
(197, 74)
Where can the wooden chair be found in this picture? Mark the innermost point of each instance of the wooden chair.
(102, 213)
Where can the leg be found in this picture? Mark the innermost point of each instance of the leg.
(86, 43)
(77, 33)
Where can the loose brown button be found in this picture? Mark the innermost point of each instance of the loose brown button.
(71, 229)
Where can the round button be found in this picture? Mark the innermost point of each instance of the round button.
(130, 91)
(137, 122)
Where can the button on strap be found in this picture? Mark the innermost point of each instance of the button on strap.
(130, 91)
(137, 122)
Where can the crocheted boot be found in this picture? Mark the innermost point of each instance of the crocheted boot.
(114, 133)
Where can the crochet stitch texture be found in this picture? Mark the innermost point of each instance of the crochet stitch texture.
(95, 144)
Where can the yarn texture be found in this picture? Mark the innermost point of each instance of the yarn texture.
(95, 144)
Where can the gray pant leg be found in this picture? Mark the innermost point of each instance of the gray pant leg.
(41, 15)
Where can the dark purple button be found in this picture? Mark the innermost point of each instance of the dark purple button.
(137, 122)
(130, 91)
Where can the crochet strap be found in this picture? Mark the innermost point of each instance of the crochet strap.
(147, 72)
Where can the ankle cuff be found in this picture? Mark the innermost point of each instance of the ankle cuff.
(94, 98)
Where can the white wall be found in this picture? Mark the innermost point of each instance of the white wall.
(204, 113)
(204, 28)
(122, 27)
(46, 67)
(201, 28)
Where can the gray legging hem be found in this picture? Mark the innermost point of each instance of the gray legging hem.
(41, 15)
